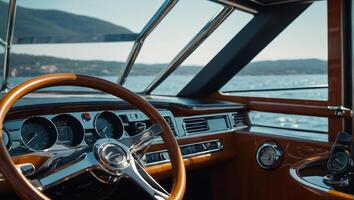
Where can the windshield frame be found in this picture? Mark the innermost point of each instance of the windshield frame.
(159, 15)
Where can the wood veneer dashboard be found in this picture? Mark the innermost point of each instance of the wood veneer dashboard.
(204, 129)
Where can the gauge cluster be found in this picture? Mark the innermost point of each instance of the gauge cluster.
(72, 130)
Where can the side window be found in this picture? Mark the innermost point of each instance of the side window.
(293, 65)
(3, 22)
(3, 18)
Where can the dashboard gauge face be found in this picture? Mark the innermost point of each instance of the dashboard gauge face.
(6, 138)
(338, 162)
(38, 133)
(269, 156)
(108, 125)
(70, 130)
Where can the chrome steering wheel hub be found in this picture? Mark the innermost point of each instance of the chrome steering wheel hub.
(112, 155)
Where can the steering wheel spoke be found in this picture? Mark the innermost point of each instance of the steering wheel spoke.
(137, 174)
(86, 163)
(144, 139)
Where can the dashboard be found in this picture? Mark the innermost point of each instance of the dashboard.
(68, 130)
(74, 130)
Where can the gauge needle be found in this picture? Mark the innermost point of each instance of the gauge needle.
(104, 130)
(32, 138)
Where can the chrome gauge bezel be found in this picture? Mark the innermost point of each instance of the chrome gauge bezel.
(52, 126)
(278, 152)
(9, 144)
(118, 120)
(343, 169)
(82, 131)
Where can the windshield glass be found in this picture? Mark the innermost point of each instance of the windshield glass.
(96, 39)
(59, 36)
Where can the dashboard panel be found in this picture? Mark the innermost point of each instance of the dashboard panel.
(74, 130)
(80, 128)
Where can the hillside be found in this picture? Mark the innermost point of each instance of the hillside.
(35, 22)
(29, 65)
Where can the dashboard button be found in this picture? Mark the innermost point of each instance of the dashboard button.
(86, 116)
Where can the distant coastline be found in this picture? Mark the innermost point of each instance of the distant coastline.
(24, 65)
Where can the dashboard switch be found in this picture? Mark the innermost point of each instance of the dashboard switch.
(86, 116)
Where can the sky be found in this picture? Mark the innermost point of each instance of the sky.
(304, 38)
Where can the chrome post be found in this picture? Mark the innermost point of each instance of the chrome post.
(8, 43)
(204, 33)
(149, 27)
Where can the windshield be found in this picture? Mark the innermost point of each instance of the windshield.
(109, 41)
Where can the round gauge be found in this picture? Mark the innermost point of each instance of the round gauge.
(38, 133)
(269, 156)
(338, 163)
(108, 125)
(70, 130)
(6, 138)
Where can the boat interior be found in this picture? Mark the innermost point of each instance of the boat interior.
(110, 142)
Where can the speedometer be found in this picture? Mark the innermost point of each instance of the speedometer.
(38, 133)
(108, 125)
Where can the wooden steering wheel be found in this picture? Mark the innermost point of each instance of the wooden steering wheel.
(99, 156)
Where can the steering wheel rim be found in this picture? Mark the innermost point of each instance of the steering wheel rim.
(24, 188)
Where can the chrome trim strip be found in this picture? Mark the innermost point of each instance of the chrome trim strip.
(220, 147)
(196, 41)
(165, 8)
(295, 176)
(236, 5)
(8, 43)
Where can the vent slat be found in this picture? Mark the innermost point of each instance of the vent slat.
(168, 120)
(240, 119)
(193, 125)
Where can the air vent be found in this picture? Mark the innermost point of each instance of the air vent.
(193, 125)
(240, 119)
(169, 121)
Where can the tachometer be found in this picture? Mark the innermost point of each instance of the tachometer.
(38, 133)
(70, 130)
(108, 125)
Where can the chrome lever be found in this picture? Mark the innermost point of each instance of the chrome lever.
(339, 110)
(27, 169)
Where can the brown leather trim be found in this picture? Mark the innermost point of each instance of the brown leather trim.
(24, 188)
